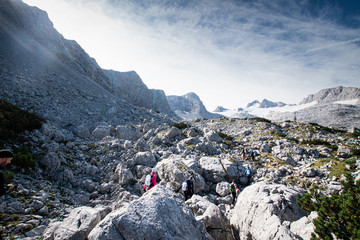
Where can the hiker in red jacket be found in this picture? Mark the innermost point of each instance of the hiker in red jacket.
(150, 180)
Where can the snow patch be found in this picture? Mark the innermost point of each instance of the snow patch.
(349, 102)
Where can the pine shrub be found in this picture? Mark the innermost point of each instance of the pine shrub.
(180, 125)
(338, 215)
(23, 157)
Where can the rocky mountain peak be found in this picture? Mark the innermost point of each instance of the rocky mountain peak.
(220, 109)
(253, 103)
(189, 107)
(331, 95)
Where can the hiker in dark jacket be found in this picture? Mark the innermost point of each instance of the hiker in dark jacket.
(5, 158)
(188, 188)
(233, 189)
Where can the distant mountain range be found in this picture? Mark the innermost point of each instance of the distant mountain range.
(337, 107)
(45, 73)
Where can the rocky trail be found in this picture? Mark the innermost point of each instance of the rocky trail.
(92, 188)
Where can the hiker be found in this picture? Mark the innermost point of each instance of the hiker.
(150, 180)
(253, 155)
(233, 189)
(243, 154)
(188, 188)
(5, 158)
(248, 174)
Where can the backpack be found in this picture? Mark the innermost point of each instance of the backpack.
(184, 186)
(148, 180)
(190, 185)
(248, 172)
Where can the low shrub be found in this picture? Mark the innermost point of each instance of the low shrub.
(23, 157)
(338, 214)
(180, 125)
(259, 119)
(225, 136)
(320, 142)
(14, 120)
(293, 140)
(355, 151)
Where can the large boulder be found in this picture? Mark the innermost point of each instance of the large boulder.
(158, 214)
(304, 226)
(213, 169)
(76, 226)
(261, 210)
(127, 132)
(223, 188)
(198, 204)
(51, 161)
(217, 225)
(234, 169)
(122, 174)
(100, 132)
(174, 171)
(141, 145)
(213, 137)
(145, 158)
(173, 132)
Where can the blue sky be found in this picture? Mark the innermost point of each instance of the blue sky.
(229, 52)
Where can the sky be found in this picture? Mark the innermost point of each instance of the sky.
(228, 52)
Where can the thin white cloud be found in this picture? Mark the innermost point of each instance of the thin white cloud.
(334, 45)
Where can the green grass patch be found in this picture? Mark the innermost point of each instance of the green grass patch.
(321, 162)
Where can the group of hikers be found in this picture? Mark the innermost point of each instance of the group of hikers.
(246, 152)
(188, 186)
(150, 181)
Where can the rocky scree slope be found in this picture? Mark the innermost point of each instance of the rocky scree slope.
(93, 187)
(43, 72)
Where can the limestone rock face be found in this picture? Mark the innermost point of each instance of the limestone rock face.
(213, 170)
(261, 210)
(158, 214)
(304, 226)
(76, 226)
(329, 95)
(129, 85)
(175, 171)
(127, 133)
